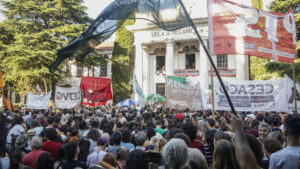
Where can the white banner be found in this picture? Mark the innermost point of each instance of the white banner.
(290, 94)
(138, 90)
(38, 102)
(264, 95)
(67, 98)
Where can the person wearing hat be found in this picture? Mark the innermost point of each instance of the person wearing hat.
(251, 119)
(21, 143)
(97, 156)
(30, 134)
(31, 158)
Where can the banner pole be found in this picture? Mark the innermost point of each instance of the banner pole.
(209, 56)
(295, 89)
(212, 92)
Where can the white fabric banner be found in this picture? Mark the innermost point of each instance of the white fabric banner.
(67, 98)
(264, 95)
(138, 90)
(38, 102)
(290, 94)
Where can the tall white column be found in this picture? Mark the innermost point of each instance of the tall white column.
(204, 67)
(138, 65)
(242, 69)
(170, 57)
(145, 68)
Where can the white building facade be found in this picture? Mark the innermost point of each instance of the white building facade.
(179, 53)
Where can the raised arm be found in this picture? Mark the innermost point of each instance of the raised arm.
(244, 153)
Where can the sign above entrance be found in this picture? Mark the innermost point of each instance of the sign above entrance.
(180, 32)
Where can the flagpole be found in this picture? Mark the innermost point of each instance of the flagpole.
(209, 56)
(295, 89)
(212, 93)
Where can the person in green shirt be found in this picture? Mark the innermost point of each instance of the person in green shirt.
(158, 128)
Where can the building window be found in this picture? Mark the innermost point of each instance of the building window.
(160, 88)
(222, 61)
(190, 61)
(160, 62)
(103, 69)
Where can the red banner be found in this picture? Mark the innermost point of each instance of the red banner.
(238, 29)
(96, 90)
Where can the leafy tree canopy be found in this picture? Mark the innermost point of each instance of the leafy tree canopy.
(30, 36)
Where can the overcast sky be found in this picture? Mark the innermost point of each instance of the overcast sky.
(96, 6)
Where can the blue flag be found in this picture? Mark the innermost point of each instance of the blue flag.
(167, 14)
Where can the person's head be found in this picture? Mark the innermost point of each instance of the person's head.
(121, 154)
(95, 125)
(173, 131)
(150, 133)
(275, 121)
(110, 159)
(190, 129)
(291, 130)
(71, 151)
(136, 160)
(220, 135)
(116, 138)
(211, 123)
(256, 148)
(36, 143)
(102, 141)
(93, 134)
(175, 153)
(21, 142)
(224, 155)
(160, 144)
(271, 146)
(15, 157)
(51, 134)
(45, 161)
(263, 130)
(209, 138)
(50, 120)
(277, 135)
(140, 138)
(35, 123)
(251, 118)
(260, 117)
(184, 137)
(125, 135)
(82, 125)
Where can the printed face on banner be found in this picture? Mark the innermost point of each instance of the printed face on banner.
(265, 95)
(182, 96)
(290, 94)
(239, 29)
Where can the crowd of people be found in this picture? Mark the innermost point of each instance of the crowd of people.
(152, 137)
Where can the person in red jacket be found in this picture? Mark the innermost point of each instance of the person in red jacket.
(31, 158)
(51, 145)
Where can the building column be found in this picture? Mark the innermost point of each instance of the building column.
(204, 67)
(145, 68)
(169, 57)
(242, 71)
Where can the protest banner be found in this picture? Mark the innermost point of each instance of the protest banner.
(264, 95)
(290, 94)
(67, 98)
(38, 102)
(96, 90)
(181, 94)
(138, 90)
(239, 29)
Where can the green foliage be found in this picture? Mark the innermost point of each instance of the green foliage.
(122, 62)
(258, 4)
(284, 68)
(31, 35)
